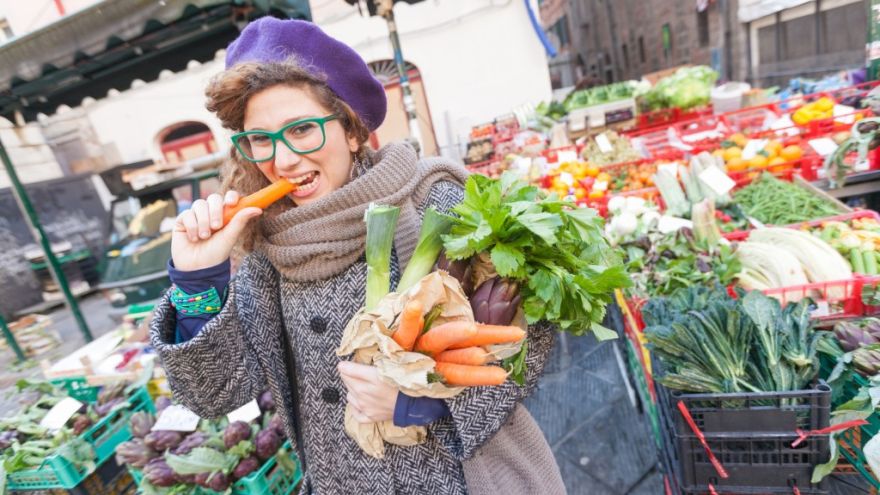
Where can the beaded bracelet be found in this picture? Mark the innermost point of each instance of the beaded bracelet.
(207, 302)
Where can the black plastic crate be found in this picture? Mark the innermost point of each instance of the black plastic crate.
(751, 435)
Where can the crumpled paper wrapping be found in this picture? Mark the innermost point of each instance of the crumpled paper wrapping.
(368, 337)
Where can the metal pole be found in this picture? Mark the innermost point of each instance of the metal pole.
(386, 10)
(10, 339)
(27, 209)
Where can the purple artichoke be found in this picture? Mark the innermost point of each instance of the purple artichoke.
(163, 440)
(267, 443)
(266, 402)
(158, 473)
(103, 409)
(111, 392)
(237, 431)
(460, 270)
(496, 301)
(277, 424)
(193, 440)
(866, 362)
(135, 453)
(186, 479)
(81, 423)
(851, 336)
(161, 403)
(7, 438)
(245, 467)
(141, 423)
(218, 481)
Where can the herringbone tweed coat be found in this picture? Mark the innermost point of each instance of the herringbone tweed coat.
(239, 353)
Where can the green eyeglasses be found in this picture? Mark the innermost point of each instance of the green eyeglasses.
(302, 136)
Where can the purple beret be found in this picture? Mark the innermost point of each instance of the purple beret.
(274, 40)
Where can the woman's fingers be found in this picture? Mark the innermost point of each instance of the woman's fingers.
(215, 211)
(231, 198)
(190, 225)
(200, 209)
(360, 372)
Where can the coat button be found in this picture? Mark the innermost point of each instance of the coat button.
(330, 395)
(318, 324)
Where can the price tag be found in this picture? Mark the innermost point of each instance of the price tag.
(752, 148)
(177, 418)
(821, 310)
(246, 413)
(844, 114)
(669, 224)
(604, 144)
(566, 156)
(672, 168)
(717, 180)
(823, 146)
(60, 413)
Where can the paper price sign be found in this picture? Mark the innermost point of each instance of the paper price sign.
(566, 156)
(823, 146)
(717, 180)
(176, 418)
(246, 413)
(672, 224)
(604, 143)
(60, 413)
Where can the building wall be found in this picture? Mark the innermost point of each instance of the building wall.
(27, 16)
(29, 152)
(478, 59)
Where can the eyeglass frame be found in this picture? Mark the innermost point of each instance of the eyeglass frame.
(279, 136)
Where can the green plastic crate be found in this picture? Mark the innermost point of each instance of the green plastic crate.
(104, 436)
(78, 388)
(648, 405)
(270, 479)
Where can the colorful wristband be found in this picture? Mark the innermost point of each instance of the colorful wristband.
(207, 302)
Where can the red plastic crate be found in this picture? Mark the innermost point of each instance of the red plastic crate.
(751, 119)
(836, 299)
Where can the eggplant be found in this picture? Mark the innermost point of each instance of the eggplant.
(158, 473)
(135, 453)
(193, 440)
(267, 443)
(496, 301)
(163, 440)
(245, 467)
(266, 402)
(141, 423)
(237, 431)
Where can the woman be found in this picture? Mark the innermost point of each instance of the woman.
(302, 105)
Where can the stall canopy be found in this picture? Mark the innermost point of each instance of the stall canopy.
(750, 10)
(114, 42)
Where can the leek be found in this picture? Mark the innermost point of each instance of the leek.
(434, 226)
(381, 223)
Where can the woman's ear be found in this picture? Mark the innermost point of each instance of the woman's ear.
(353, 145)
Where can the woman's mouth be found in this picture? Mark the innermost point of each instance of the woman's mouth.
(306, 184)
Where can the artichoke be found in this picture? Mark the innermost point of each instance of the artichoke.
(245, 467)
(141, 423)
(851, 336)
(193, 440)
(866, 362)
(872, 327)
(496, 301)
(134, 453)
(7, 438)
(111, 392)
(277, 424)
(158, 473)
(163, 440)
(460, 270)
(237, 431)
(186, 479)
(267, 443)
(266, 402)
(104, 408)
(81, 423)
(217, 481)
(161, 403)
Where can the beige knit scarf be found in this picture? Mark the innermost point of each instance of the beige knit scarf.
(323, 238)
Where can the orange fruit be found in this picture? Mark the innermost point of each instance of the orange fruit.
(737, 165)
(791, 153)
(732, 152)
(596, 194)
(739, 139)
(718, 152)
(758, 162)
(592, 171)
(604, 177)
(776, 160)
(773, 146)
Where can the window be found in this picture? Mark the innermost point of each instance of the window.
(667, 41)
(703, 26)
(6, 30)
(641, 49)
(625, 56)
(561, 30)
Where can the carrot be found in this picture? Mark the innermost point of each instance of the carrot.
(412, 319)
(474, 356)
(491, 334)
(461, 375)
(439, 338)
(261, 199)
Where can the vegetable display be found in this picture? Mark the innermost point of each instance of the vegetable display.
(687, 88)
(599, 95)
(858, 240)
(776, 202)
(621, 150)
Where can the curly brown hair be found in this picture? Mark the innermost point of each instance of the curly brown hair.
(227, 95)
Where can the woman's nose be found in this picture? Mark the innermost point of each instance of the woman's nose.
(285, 159)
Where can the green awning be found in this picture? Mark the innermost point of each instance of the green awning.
(114, 42)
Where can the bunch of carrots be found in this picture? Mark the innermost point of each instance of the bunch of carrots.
(457, 347)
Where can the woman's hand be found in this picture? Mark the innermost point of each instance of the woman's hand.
(371, 399)
(199, 239)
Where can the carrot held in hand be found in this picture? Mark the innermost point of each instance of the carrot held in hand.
(461, 375)
(490, 335)
(412, 319)
(441, 337)
(261, 199)
(473, 356)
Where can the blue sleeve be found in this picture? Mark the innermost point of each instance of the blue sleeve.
(418, 411)
(194, 282)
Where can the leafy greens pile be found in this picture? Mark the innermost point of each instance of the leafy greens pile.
(711, 342)
(555, 250)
